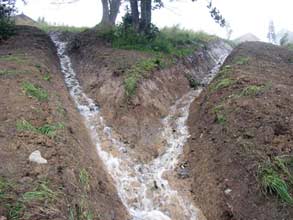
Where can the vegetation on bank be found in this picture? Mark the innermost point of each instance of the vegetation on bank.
(276, 177)
(166, 46)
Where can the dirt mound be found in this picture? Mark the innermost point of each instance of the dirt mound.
(241, 122)
(37, 114)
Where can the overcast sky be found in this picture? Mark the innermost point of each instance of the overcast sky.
(244, 15)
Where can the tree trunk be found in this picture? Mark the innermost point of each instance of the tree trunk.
(114, 9)
(134, 14)
(110, 12)
(146, 15)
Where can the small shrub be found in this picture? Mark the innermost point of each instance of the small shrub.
(35, 91)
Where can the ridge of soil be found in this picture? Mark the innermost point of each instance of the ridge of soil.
(73, 184)
(233, 132)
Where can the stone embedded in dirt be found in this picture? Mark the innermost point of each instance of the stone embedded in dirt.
(37, 157)
(3, 218)
(227, 191)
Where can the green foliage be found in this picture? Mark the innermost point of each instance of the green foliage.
(47, 129)
(290, 46)
(242, 60)
(12, 72)
(34, 91)
(16, 204)
(173, 41)
(220, 114)
(63, 28)
(41, 193)
(6, 23)
(139, 70)
(84, 178)
(16, 58)
(193, 83)
(275, 175)
(252, 90)
(223, 83)
(47, 77)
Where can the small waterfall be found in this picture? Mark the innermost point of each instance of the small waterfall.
(144, 191)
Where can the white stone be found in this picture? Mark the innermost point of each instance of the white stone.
(228, 191)
(37, 157)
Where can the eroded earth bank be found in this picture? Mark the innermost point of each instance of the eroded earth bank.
(167, 152)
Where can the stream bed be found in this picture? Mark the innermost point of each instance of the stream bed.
(142, 188)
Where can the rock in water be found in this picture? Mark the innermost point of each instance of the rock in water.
(37, 157)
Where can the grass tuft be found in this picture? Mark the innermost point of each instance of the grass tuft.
(275, 177)
(139, 70)
(35, 91)
(220, 114)
(252, 90)
(42, 192)
(84, 178)
(242, 60)
(47, 129)
(223, 83)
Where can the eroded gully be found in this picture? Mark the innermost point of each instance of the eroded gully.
(143, 188)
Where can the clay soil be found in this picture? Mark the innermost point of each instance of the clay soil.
(73, 184)
(238, 126)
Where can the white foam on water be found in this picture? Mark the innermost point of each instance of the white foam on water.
(142, 188)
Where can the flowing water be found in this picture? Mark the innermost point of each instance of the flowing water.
(143, 188)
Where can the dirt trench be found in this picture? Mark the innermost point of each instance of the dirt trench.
(38, 114)
(101, 71)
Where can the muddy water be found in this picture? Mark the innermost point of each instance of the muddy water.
(143, 189)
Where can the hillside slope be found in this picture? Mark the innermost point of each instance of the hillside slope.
(37, 114)
(241, 130)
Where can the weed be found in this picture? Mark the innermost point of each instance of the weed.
(47, 129)
(84, 178)
(252, 90)
(34, 91)
(42, 192)
(220, 114)
(16, 58)
(223, 83)
(11, 72)
(39, 67)
(193, 83)
(60, 109)
(14, 210)
(137, 71)
(273, 183)
(274, 176)
(47, 77)
(242, 60)
(130, 84)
